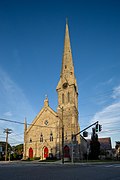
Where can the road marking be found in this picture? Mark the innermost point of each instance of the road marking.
(113, 165)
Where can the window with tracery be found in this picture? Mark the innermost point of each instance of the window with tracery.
(41, 137)
(68, 97)
(51, 136)
(63, 98)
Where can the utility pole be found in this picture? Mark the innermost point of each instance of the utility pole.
(7, 131)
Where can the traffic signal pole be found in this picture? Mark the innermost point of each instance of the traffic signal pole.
(74, 135)
(86, 128)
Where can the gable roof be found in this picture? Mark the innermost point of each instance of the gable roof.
(39, 114)
(105, 143)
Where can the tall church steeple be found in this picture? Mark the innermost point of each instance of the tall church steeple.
(67, 85)
(67, 90)
(67, 62)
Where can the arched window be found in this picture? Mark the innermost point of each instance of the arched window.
(41, 138)
(68, 97)
(66, 136)
(30, 140)
(63, 98)
(51, 136)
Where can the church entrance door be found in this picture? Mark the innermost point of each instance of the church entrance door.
(30, 153)
(66, 152)
(45, 152)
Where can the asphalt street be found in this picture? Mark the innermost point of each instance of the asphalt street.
(38, 171)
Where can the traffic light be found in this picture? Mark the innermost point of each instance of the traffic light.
(100, 127)
(85, 134)
(96, 127)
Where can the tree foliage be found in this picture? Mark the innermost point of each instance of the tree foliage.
(94, 146)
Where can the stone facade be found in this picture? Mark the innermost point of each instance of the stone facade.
(44, 136)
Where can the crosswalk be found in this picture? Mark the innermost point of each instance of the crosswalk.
(105, 165)
(112, 165)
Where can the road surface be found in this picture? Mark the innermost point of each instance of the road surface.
(38, 171)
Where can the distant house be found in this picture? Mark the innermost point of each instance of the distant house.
(117, 148)
(105, 143)
(2, 149)
(83, 148)
(105, 147)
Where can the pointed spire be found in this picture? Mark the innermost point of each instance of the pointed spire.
(25, 124)
(67, 62)
(66, 20)
(67, 70)
(46, 102)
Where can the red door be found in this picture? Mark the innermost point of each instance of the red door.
(66, 151)
(45, 152)
(30, 153)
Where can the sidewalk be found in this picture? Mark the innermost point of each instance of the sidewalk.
(59, 162)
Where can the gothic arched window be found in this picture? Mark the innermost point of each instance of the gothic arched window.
(63, 98)
(41, 138)
(51, 136)
(68, 97)
(66, 136)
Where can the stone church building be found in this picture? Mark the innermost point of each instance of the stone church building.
(44, 136)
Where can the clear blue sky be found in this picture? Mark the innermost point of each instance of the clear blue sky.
(31, 48)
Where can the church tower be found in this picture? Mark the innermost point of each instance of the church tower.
(68, 91)
(50, 132)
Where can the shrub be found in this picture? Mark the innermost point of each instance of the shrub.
(36, 158)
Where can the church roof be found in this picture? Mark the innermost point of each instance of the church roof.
(45, 109)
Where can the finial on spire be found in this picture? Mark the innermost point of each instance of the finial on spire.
(46, 103)
(46, 96)
(66, 20)
(25, 124)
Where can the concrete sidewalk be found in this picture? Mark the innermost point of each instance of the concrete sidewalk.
(59, 162)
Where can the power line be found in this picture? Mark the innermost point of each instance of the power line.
(2, 137)
(18, 122)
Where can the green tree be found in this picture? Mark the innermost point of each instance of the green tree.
(3, 145)
(17, 151)
(94, 146)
